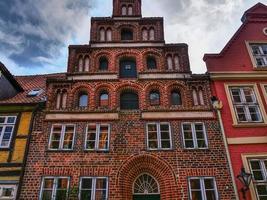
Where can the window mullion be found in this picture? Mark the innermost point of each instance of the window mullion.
(2, 134)
(159, 136)
(97, 136)
(247, 113)
(54, 192)
(194, 134)
(62, 136)
(264, 169)
(93, 188)
(203, 189)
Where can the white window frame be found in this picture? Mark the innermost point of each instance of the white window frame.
(193, 129)
(158, 135)
(263, 171)
(4, 125)
(94, 178)
(13, 186)
(62, 136)
(98, 126)
(261, 55)
(202, 186)
(246, 105)
(55, 182)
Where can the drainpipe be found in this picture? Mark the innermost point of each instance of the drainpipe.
(217, 105)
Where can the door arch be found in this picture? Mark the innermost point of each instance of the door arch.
(146, 187)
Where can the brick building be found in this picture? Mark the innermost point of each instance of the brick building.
(239, 80)
(127, 121)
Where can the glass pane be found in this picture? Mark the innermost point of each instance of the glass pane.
(47, 195)
(87, 183)
(151, 63)
(153, 144)
(211, 195)
(54, 145)
(9, 129)
(154, 98)
(86, 195)
(241, 114)
(255, 114)
(1, 128)
(152, 136)
(2, 120)
(11, 120)
(188, 136)
(262, 189)
(48, 183)
(165, 144)
(249, 95)
(56, 136)
(8, 192)
(100, 195)
(209, 183)
(83, 100)
(165, 135)
(61, 195)
(256, 170)
(236, 95)
(199, 127)
(187, 127)
(256, 50)
(7, 136)
(195, 184)
(68, 141)
(103, 140)
(90, 144)
(196, 195)
(101, 183)
(62, 183)
(164, 127)
(152, 127)
(176, 98)
(189, 144)
(201, 144)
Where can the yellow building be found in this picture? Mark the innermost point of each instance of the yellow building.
(19, 98)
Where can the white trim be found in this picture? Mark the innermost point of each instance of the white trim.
(93, 189)
(126, 44)
(55, 182)
(4, 125)
(62, 137)
(193, 129)
(202, 187)
(93, 77)
(98, 126)
(149, 193)
(159, 135)
(178, 115)
(82, 116)
(167, 75)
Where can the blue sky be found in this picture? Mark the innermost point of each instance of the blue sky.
(34, 35)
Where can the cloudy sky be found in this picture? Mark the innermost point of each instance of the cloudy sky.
(35, 34)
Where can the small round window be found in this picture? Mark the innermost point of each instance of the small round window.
(265, 31)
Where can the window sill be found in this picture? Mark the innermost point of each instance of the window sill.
(60, 151)
(96, 151)
(160, 149)
(264, 68)
(244, 125)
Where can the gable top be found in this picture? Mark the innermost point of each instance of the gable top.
(127, 8)
(256, 12)
(10, 78)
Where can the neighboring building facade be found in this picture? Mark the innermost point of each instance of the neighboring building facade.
(239, 80)
(20, 98)
(128, 121)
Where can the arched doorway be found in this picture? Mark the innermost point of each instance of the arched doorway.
(146, 187)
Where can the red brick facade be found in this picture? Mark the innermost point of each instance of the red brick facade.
(128, 154)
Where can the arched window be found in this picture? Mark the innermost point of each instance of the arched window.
(151, 62)
(169, 62)
(128, 68)
(86, 64)
(83, 100)
(80, 64)
(144, 34)
(129, 101)
(103, 63)
(102, 34)
(195, 98)
(64, 99)
(151, 34)
(104, 99)
(58, 100)
(176, 97)
(201, 97)
(109, 35)
(124, 10)
(154, 98)
(126, 34)
(130, 10)
(176, 62)
(146, 185)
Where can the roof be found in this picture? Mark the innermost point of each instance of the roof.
(10, 77)
(29, 83)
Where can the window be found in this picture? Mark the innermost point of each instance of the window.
(7, 125)
(130, 10)
(145, 185)
(169, 62)
(245, 104)
(195, 97)
(144, 34)
(151, 62)
(154, 98)
(194, 136)
(152, 34)
(124, 10)
(128, 68)
(80, 64)
(97, 137)
(159, 136)
(109, 35)
(176, 98)
(126, 34)
(103, 99)
(35, 92)
(259, 172)
(62, 137)
(129, 101)
(176, 62)
(102, 35)
(259, 52)
(83, 100)
(54, 188)
(103, 63)
(203, 188)
(86, 64)
(93, 188)
(61, 99)
(8, 192)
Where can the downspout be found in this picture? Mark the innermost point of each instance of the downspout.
(217, 105)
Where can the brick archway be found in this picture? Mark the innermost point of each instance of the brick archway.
(137, 165)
